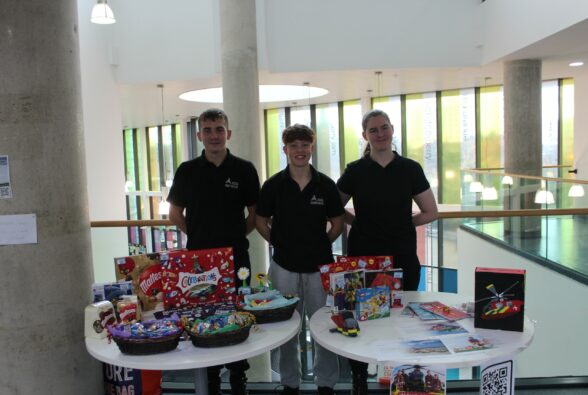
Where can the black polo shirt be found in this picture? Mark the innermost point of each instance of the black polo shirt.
(382, 198)
(299, 219)
(215, 199)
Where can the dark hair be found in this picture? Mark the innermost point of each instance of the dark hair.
(213, 114)
(297, 132)
(366, 117)
(372, 114)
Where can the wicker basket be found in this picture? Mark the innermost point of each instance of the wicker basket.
(147, 346)
(274, 315)
(220, 339)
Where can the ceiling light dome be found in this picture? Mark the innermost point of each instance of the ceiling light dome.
(267, 93)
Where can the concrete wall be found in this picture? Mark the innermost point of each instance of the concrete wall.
(553, 301)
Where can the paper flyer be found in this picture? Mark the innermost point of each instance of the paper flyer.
(18, 229)
(427, 329)
(417, 379)
(466, 343)
(5, 188)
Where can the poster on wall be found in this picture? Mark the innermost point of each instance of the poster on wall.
(5, 188)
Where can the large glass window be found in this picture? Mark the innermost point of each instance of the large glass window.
(458, 140)
(151, 159)
(566, 142)
(328, 160)
(421, 127)
(353, 142)
(275, 123)
(300, 115)
(550, 122)
(491, 120)
(391, 105)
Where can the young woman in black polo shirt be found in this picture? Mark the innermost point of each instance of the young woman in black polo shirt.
(383, 186)
(292, 212)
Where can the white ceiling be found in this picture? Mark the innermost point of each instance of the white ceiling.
(141, 100)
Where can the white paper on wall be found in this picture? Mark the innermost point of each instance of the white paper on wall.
(5, 188)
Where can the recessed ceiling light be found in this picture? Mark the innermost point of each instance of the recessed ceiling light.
(576, 64)
(267, 93)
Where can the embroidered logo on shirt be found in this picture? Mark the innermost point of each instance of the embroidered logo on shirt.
(317, 201)
(231, 184)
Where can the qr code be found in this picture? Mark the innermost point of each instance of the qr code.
(497, 379)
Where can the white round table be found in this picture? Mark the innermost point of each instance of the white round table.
(380, 340)
(262, 338)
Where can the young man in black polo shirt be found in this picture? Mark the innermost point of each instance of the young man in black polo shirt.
(214, 189)
(292, 214)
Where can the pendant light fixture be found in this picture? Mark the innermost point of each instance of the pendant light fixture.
(489, 193)
(102, 13)
(476, 186)
(543, 196)
(576, 190)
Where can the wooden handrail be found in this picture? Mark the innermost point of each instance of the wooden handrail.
(502, 168)
(442, 215)
(127, 223)
(513, 213)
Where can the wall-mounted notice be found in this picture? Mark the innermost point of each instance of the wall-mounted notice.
(5, 188)
(18, 229)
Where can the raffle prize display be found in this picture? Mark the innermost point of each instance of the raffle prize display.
(368, 285)
(163, 298)
(367, 288)
(185, 291)
(167, 297)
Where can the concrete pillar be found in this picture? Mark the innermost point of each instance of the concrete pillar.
(522, 136)
(241, 102)
(44, 287)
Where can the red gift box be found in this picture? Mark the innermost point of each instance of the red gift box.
(353, 263)
(197, 277)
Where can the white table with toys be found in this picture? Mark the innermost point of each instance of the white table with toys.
(262, 338)
(405, 340)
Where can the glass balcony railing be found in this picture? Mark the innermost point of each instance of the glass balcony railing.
(543, 217)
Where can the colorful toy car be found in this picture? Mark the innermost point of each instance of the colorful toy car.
(346, 323)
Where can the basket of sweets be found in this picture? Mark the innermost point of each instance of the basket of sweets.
(270, 306)
(220, 330)
(148, 337)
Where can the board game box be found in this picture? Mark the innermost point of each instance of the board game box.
(499, 299)
(372, 303)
